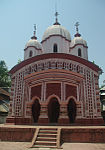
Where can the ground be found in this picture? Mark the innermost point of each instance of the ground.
(66, 146)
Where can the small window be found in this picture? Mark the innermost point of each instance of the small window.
(55, 49)
(30, 54)
(79, 52)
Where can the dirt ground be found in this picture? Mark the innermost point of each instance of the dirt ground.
(65, 146)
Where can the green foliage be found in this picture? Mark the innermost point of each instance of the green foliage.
(93, 62)
(19, 61)
(4, 76)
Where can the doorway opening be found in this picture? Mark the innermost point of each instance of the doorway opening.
(36, 110)
(53, 110)
(71, 110)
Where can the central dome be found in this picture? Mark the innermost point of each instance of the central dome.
(56, 30)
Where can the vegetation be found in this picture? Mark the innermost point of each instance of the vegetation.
(4, 76)
(19, 61)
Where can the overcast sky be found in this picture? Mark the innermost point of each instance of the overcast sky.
(17, 18)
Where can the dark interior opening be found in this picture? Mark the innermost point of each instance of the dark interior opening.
(36, 110)
(53, 110)
(71, 110)
(55, 49)
(79, 52)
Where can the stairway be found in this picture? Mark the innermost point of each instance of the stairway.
(46, 138)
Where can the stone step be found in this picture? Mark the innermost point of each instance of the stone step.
(43, 146)
(46, 135)
(48, 128)
(46, 139)
(47, 131)
(47, 143)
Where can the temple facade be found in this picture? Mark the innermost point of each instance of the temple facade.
(56, 83)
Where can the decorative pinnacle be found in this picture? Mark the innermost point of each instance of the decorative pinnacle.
(56, 15)
(56, 19)
(77, 34)
(34, 36)
(77, 24)
(34, 29)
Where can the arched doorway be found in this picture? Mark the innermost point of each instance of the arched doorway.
(36, 110)
(71, 110)
(53, 110)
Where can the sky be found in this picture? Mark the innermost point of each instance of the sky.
(17, 19)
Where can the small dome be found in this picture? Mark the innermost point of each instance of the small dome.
(56, 30)
(78, 40)
(33, 42)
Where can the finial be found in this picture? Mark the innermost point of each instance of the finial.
(56, 15)
(77, 24)
(77, 34)
(34, 36)
(56, 19)
(34, 29)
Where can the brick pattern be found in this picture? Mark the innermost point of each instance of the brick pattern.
(36, 91)
(71, 91)
(71, 78)
(86, 135)
(53, 88)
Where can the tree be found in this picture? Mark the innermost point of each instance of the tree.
(4, 76)
(19, 61)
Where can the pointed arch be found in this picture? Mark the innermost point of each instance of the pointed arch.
(71, 109)
(51, 96)
(53, 110)
(36, 110)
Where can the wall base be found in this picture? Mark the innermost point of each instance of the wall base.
(61, 121)
(19, 121)
(68, 134)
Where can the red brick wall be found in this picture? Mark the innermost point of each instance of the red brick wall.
(53, 88)
(72, 134)
(36, 91)
(95, 135)
(71, 91)
(16, 134)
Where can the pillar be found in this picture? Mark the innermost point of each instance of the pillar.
(43, 118)
(63, 115)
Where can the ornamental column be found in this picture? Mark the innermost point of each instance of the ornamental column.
(43, 118)
(63, 115)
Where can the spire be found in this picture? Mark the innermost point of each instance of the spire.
(77, 34)
(34, 34)
(56, 19)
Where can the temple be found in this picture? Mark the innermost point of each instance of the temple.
(55, 83)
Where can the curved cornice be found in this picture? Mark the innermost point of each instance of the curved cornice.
(55, 35)
(33, 47)
(77, 45)
(55, 55)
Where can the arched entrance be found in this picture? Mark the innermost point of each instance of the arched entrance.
(36, 110)
(71, 110)
(53, 110)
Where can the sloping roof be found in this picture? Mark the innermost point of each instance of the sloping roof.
(102, 94)
(103, 88)
(2, 109)
(4, 106)
(2, 91)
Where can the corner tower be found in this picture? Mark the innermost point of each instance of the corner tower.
(32, 47)
(78, 45)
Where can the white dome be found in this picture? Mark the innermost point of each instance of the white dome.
(56, 30)
(34, 43)
(78, 40)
